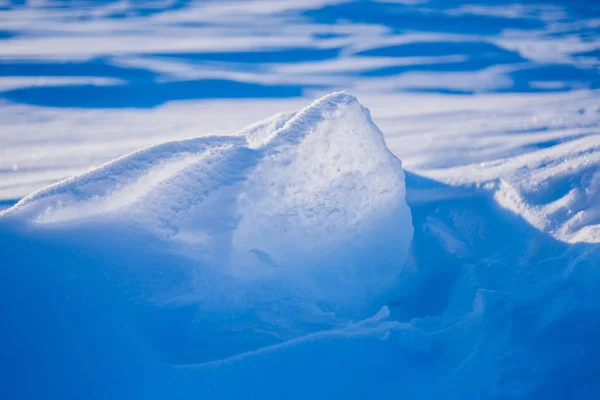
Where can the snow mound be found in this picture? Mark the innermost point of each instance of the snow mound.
(305, 212)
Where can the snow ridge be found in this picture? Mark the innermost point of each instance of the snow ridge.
(304, 211)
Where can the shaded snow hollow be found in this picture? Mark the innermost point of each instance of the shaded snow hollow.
(294, 225)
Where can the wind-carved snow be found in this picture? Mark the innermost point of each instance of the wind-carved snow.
(282, 248)
(556, 189)
(304, 212)
(537, 156)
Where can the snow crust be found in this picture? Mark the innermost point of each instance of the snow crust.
(230, 267)
(214, 264)
(248, 265)
(305, 211)
(536, 155)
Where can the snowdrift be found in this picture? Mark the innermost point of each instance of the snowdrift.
(284, 262)
(296, 225)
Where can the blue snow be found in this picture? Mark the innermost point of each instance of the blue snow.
(300, 258)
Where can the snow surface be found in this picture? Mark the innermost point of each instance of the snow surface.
(169, 273)
(305, 211)
(275, 263)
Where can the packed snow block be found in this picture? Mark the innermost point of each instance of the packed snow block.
(295, 225)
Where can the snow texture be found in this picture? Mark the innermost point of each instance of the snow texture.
(304, 211)
(220, 265)
(283, 262)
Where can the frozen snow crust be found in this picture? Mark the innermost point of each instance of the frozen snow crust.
(277, 263)
(297, 224)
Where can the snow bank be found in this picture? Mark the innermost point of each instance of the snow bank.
(271, 264)
(295, 225)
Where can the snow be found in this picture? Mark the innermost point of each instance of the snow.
(289, 246)
(305, 210)
(542, 166)
(542, 145)
(296, 257)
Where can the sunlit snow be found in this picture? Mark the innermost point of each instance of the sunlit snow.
(321, 199)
